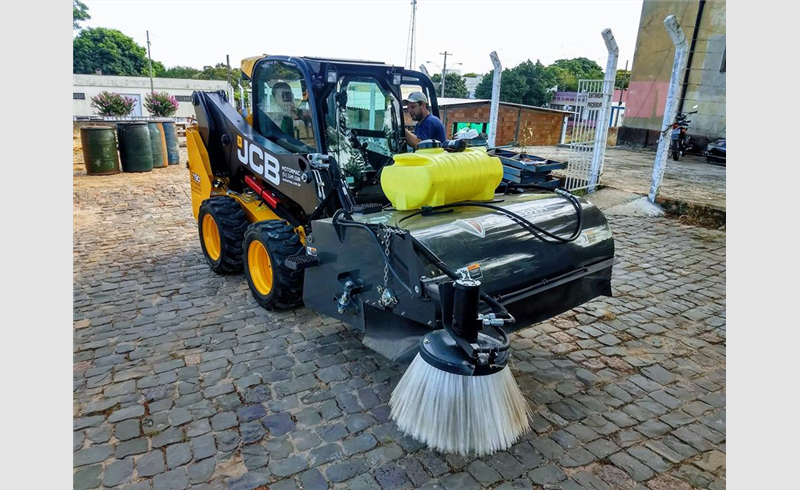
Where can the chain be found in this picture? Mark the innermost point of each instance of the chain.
(388, 232)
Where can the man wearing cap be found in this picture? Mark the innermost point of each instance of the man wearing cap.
(428, 127)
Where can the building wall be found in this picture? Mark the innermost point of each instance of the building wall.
(472, 83)
(91, 85)
(536, 128)
(652, 67)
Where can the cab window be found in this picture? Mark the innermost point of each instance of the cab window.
(282, 110)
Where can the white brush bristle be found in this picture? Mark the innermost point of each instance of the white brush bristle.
(460, 414)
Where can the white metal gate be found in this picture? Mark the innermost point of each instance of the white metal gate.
(589, 134)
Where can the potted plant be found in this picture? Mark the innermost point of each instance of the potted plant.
(113, 104)
(161, 104)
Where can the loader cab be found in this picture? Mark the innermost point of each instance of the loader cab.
(349, 110)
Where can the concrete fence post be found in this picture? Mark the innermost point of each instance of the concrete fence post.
(495, 107)
(678, 66)
(601, 126)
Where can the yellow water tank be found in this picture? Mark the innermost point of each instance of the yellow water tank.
(433, 177)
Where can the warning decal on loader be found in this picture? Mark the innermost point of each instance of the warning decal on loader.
(196, 183)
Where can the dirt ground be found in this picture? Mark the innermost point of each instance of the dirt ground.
(101, 185)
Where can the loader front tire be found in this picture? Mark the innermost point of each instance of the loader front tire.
(221, 223)
(266, 246)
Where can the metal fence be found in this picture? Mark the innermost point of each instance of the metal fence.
(589, 130)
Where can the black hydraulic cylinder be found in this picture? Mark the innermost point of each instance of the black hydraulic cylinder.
(466, 301)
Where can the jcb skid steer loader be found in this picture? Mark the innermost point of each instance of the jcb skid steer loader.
(318, 198)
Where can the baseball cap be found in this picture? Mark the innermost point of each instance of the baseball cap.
(416, 97)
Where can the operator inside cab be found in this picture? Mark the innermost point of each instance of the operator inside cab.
(429, 127)
(291, 118)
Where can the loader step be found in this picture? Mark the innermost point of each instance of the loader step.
(300, 262)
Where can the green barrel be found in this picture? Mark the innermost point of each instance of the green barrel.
(158, 144)
(99, 150)
(171, 135)
(136, 153)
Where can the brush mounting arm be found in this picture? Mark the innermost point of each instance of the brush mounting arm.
(460, 318)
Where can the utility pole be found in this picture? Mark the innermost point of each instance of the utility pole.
(230, 85)
(444, 69)
(411, 53)
(149, 62)
(621, 92)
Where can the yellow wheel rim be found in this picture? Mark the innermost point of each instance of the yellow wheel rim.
(211, 237)
(260, 267)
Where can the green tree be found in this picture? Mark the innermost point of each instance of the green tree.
(454, 85)
(565, 80)
(538, 81)
(80, 12)
(181, 72)
(484, 88)
(623, 79)
(107, 50)
(470, 75)
(158, 69)
(512, 87)
(219, 72)
(578, 68)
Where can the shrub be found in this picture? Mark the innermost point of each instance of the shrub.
(113, 104)
(161, 104)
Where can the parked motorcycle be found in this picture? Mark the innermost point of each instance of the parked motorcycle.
(715, 152)
(681, 142)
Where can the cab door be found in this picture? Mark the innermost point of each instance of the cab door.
(282, 108)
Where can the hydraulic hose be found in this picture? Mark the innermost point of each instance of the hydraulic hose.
(349, 223)
(534, 229)
(495, 305)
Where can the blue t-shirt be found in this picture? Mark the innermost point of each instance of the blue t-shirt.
(430, 128)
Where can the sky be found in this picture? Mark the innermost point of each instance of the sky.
(201, 32)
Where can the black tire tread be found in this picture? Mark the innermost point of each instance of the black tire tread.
(281, 241)
(232, 224)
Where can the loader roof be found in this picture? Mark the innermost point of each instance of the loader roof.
(249, 63)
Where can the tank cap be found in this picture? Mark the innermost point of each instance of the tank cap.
(426, 144)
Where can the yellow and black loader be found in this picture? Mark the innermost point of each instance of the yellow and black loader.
(317, 197)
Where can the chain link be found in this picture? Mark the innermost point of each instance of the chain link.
(388, 233)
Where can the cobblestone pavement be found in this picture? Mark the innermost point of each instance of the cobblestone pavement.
(182, 381)
(691, 179)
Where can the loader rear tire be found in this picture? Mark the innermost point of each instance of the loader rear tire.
(221, 223)
(266, 246)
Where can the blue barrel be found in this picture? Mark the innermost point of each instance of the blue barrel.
(171, 136)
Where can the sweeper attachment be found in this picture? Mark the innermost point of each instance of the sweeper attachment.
(318, 198)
